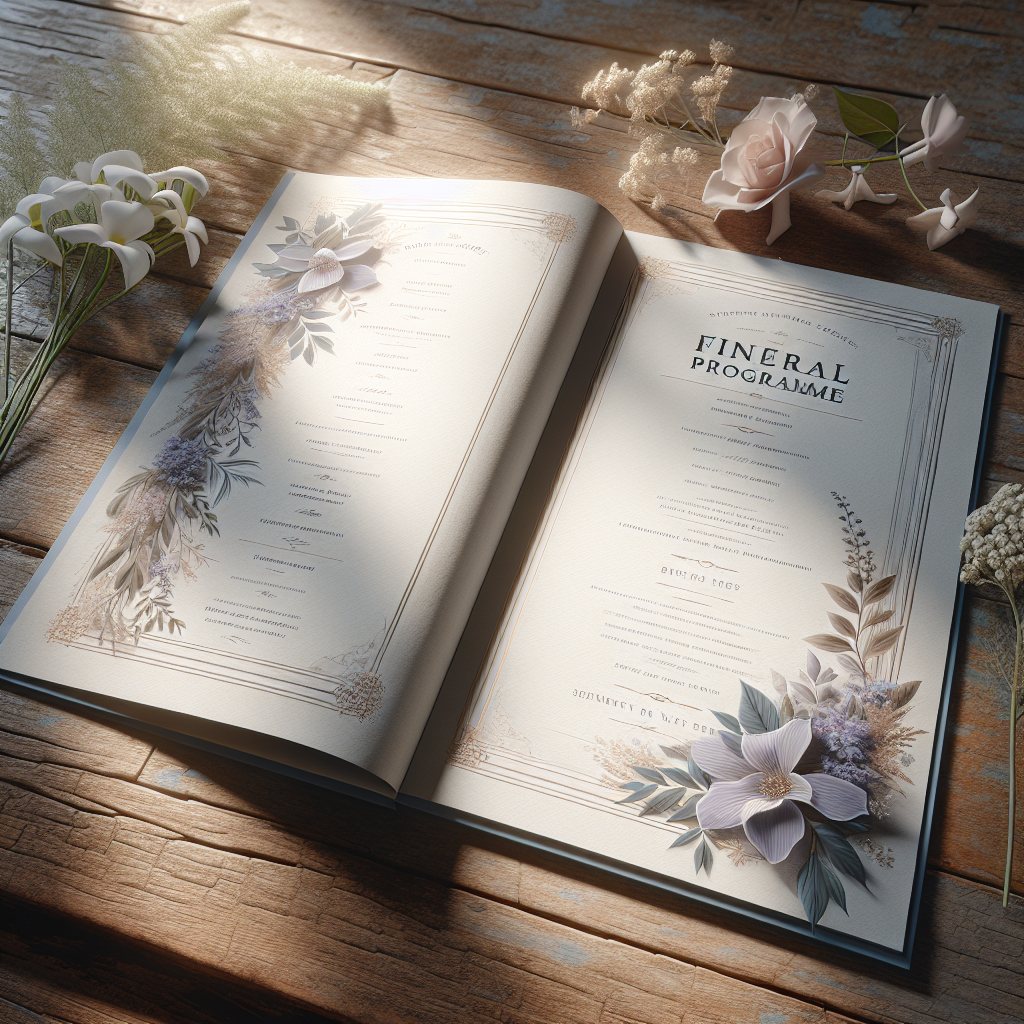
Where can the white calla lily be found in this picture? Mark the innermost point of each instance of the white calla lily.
(29, 239)
(192, 229)
(189, 175)
(120, 229)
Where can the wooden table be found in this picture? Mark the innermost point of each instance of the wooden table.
(145, 882)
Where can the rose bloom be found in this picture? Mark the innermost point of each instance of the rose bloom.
(764, 160)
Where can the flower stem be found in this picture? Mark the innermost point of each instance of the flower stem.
(906, 179)
(1008, 590)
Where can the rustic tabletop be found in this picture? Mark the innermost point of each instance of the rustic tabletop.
(143, 881)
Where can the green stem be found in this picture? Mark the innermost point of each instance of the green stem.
(16, 410)
(903, 170)
(866, 160)
(1008, 590)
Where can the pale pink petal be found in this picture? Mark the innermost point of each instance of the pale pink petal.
(714, 757)
(780, 751)
(723, 805)
(836, 798)
(774, 832)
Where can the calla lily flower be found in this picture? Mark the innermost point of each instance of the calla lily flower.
(120, 229)
(190, 228)
(944, 133)
(123, 167)
(857, 190)
(945, 222)
(30, 239)
(760, 789)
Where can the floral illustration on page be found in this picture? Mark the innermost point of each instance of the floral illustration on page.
(157, 517)
(811, 773)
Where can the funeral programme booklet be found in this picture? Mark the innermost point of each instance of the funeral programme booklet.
(713, 647)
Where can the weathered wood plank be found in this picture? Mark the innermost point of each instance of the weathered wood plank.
(54, 969)
(350, 936)
(17, 564)
(83, 409)
(550, 50)
(176, 870)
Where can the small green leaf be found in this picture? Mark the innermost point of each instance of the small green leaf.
(688, 810)
(687, 837)
(867, 117)
(679, 776)
(730, 722)
(757, 712)
(703, 858)
(639, 794)
(812, 889)
(841, 852)
(650, 774)
(664, 801)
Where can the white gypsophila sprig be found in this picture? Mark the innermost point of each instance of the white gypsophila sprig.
(172, 98)
(992, 551)
(993, 543)
(647, 165)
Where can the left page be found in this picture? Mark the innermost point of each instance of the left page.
(290, 536)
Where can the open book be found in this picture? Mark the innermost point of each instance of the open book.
(635, 549)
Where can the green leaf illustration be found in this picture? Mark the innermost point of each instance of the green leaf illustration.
(867, 117)
(703, 858)
(730, 722)
(757, 712)
(679, 776)
(688, 810)
(841, 852)
(687, 837)
(650, 774)
(663, 801)
(812, 888)
(640, 794)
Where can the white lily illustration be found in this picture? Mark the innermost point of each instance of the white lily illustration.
(759, 788)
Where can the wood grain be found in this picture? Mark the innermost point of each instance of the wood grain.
(265, 885)
(242, 871)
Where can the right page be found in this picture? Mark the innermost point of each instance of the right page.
(724, 658)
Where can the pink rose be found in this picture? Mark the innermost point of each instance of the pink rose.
(764, 160)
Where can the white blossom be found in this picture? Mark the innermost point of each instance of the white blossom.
(993, 543)
(857, 190)
(944, 223)
(120, 229)
(944, 132)
(765, 159)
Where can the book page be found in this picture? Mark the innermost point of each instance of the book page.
(723, 662)
(291, 539)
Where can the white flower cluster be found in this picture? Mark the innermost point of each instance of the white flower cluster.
(647, 164)
(111, 203)
(993, 542)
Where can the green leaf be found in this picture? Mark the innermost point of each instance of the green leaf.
(841, 852)
(867, 117)
(664, 801)
(687, 837)
(688, 810)
(730, 722)
(812, 889)
(650, 774)
(834, 887)
(679, 776)
(696, 774)
(639, 794)
(757, 712)
(703, 858)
